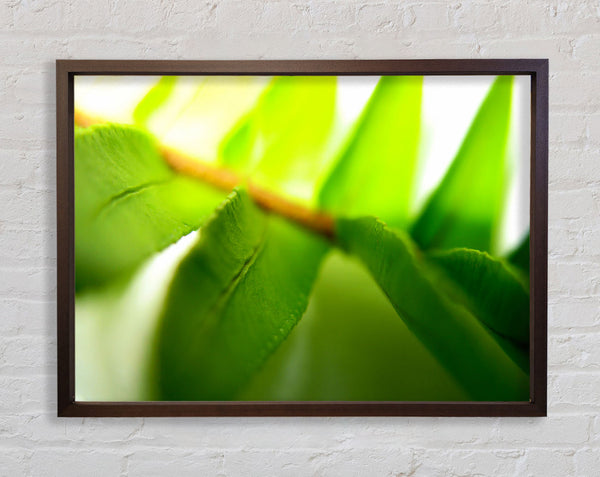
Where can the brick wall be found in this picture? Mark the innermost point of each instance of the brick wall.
(34, 33)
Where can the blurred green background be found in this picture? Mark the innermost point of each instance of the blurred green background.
(442, 159)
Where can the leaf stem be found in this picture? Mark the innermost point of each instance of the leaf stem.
(226, 179)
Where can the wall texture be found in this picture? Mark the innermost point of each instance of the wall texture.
(34, 33)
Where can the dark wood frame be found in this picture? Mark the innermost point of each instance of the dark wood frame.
(537, 69)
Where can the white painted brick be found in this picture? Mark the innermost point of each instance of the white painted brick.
(316, 433)
(31, 168)
(574, 279)
(469, 17)
(41, 427)
(31, 51)
(593, 130)
(587, 461)
(557, 49)
(295, 44)
(25, 355)
(595, 431)
(380, 17)
(333, 16)
(26, 316)
(136, 15)
(573, 17)
(239, 16)
(574, 167)
(567, 128)
(321, 462)
(568, 391)
(276, 14)
(177, 15)
(15, 430)
(467, 462)
(435, 432)
(431, 16)
(62, 462)
(585, 94)
(293, 462)
(575, 351)
(511, 432)
(548, 462)
(82, 432)
(27, 283)
(7, 15)
(88, 15)
(25, 206)
(41, 15)
(35, 87)
(193, 45)
(260, 18)
(7, 85)
(573, 313)
(15, 462)
(565, 240)
(23, 124)
(576, 204)
(35, 33)
(409, 46)
(186, 463)
(591, 242)
(125, 48)
(585, 49)
(301, 18)
(21, 395)
(294, 432)
(555, 17)
(22, 247)
(364, 461)
(514, 18)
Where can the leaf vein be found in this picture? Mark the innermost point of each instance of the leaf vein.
(213, 314)
(128, 192)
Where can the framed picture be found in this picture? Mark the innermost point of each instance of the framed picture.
(302, 238)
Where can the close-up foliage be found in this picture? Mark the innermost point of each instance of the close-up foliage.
(239, 238)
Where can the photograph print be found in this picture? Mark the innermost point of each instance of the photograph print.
(302, 238)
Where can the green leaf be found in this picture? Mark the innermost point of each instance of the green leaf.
(283, 140)
(154, 99)
(128, 203)
(350, 345)
(465, 209)
(113, 98)
(236, 150)
(425, 300)
(235, 298)
(519, 257)
(495, 293)
(110, 365)
(200, 112)
(375, 173)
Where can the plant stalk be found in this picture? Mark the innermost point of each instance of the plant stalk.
(226, 179)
